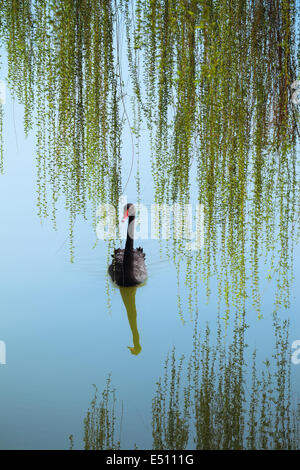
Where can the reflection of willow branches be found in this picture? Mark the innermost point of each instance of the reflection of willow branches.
(170, 420)
(212, 82)
(217, 403)
(222, 414)
(99, 423)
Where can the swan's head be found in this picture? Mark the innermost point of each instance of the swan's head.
(129, 211)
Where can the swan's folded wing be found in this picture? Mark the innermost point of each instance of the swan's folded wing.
(139, 268)
(140, 252)
(118, 256)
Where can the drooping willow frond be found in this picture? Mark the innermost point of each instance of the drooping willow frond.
(212, 81)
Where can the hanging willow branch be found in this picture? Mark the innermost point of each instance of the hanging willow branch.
(212, 80)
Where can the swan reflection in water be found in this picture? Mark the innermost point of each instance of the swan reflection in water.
(128, 270)
(128, 297)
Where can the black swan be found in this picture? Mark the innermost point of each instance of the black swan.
(128, 266)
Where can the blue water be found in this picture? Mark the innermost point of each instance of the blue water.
(60, 335)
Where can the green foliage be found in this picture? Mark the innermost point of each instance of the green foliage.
(211, 401)
(99, 423)
(212, 81)
(213, 405)
(170, 419)
(61, 65)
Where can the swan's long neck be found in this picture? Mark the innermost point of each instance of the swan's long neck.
(130, 233)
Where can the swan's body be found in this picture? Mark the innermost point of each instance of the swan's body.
(135, 274)
(128, 266)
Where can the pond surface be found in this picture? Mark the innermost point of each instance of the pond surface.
(60, 335)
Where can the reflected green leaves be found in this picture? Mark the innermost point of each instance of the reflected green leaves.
(209, 401)
(100, 421)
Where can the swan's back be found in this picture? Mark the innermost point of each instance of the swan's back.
(133, 274)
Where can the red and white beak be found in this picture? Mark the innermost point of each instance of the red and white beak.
(125, 216)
